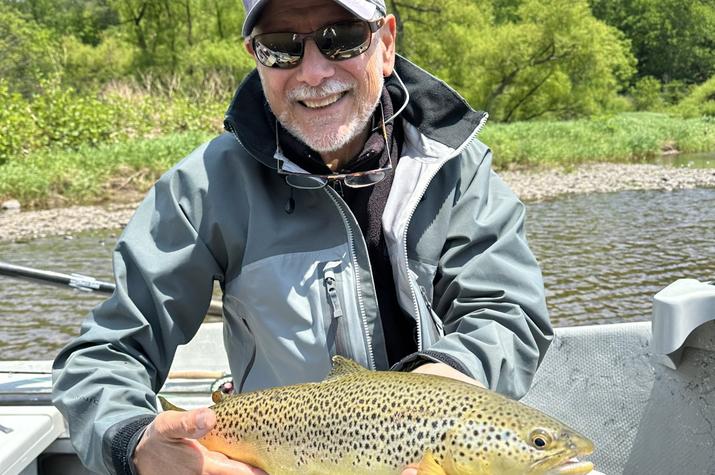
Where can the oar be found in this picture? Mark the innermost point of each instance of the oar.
(77, 281)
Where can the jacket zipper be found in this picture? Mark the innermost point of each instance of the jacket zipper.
(413, 292)
(353, 258)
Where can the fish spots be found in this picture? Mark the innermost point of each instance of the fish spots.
(360, 421)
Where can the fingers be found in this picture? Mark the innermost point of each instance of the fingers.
(216, 466)
(441, 369)
(216, 463)
(189, 424)
(411, 469)
(167, 447)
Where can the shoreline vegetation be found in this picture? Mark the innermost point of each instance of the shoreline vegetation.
(122, 172)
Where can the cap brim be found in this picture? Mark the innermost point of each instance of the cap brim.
(252, 17)
(360, 8)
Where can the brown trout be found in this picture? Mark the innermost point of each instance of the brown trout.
(358, 421)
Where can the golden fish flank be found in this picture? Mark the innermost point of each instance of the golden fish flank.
(359, 421)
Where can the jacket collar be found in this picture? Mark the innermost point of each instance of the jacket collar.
(433, 108)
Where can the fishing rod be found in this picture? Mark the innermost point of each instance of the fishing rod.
(75, 281)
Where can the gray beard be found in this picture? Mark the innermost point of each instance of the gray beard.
(334, 142)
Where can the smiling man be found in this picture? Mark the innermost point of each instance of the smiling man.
(348, 209)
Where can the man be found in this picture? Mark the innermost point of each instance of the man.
(348, 210)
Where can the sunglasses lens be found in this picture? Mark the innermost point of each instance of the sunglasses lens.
(368, 179)
(278, 50)
(305, 182)
(343, 40)
(337, 42)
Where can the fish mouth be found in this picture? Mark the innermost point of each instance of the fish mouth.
(564, 462)
(572, 467)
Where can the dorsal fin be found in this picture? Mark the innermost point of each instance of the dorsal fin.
(343, 366)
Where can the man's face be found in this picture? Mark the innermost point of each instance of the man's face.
(327, 104)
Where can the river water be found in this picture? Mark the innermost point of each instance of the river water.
(603, 256)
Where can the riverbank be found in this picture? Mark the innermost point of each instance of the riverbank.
(89, 174)
(529, 185)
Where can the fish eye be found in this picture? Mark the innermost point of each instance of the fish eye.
(540, 440)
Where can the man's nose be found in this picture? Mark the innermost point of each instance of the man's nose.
(314, 67)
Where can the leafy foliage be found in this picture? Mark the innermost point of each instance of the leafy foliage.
(83, 19)
(59, 117)
(628, 136)
(17, 133)
(530, 60)
(672, 39)
(29, 52)
(646, 94)
(700, 102)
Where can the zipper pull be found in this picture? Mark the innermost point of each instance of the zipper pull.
(433, 314)
(333, 295)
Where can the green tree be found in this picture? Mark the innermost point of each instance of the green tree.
(531, 60)
(162, 30)
(700, 102)
(646, 94)
(84, 19)
(29, 52)
(672, 39)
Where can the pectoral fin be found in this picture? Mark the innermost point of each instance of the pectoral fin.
(429, 466)
(167, 406)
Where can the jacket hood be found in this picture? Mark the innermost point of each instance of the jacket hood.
(433, 108)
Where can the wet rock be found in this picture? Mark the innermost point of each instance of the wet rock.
(10, 205)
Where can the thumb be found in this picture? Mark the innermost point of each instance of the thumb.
(186, 424)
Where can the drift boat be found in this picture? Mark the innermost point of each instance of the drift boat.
(643, 392)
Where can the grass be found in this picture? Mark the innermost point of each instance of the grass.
(628, 137)
(116, 172)
(124, 171)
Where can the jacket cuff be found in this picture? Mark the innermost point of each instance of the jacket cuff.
(120, 441)
(415, 360)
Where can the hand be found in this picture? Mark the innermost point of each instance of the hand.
(441, 369)
(169, 446)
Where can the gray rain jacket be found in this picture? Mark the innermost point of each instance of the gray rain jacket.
(297, 283)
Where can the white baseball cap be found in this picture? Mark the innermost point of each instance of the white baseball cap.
(364, 9)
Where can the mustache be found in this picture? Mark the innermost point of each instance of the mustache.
(329, 88)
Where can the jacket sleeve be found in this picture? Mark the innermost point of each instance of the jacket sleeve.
(489, 291)
(164, 279)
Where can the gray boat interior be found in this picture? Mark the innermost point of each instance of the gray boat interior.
(647, 413)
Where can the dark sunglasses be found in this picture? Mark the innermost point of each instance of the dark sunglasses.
(337, 42)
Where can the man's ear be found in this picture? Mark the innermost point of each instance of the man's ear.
(388, 36)
(249, 46)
